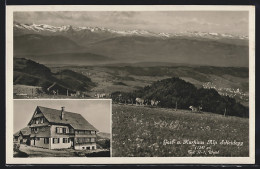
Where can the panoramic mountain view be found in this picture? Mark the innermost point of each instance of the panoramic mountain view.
(118, 60)
(176, 72)
(94, 45)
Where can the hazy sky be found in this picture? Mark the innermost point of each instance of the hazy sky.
(232, 22)
(96, 112)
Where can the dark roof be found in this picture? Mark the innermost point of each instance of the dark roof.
(17, 133)
(25, 131)
(77, 121)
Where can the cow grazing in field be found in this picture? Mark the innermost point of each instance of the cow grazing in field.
(195, 109)
(139, 101)
(154, 102)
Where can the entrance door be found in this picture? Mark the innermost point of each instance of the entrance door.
(72, 142)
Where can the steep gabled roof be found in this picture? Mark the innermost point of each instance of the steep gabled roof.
(77, 121)
(25, 131)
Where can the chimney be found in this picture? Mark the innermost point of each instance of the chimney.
(62, 112)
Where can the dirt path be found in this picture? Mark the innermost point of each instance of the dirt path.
(40, 152)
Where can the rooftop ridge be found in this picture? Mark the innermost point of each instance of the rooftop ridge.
(59, 110)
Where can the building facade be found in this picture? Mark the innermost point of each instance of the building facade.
(23, 136)
(59, 129)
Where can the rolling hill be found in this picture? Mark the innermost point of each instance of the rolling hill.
(175, 50)
(28, 72)
(35, 44)
(175, 91)
(77, 58)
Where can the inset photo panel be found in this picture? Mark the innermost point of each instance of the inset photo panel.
(61, 128)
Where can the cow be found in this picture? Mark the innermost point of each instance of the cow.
(195, 109)
(154, 102)
(139, 101)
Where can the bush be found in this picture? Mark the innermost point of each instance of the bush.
(16, 147)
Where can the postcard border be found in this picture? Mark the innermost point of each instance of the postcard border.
(128, 160)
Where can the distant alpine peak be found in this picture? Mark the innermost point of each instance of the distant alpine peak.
(66, 28)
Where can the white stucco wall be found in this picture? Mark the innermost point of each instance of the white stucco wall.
(84, 146)
(39, 143)
(59, 145)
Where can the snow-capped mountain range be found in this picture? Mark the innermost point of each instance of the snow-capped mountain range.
(43, 28)
(91, 45)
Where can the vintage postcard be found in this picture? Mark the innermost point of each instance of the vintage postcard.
(130, 84)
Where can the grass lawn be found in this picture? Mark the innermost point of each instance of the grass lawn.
(154, 132)
(30, 151)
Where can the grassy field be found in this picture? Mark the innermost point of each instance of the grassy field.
(30, 151)
(158, 132)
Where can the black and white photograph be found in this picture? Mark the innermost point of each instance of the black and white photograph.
(62, 128)
(180, 81)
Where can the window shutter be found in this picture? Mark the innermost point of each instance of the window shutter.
(53, 140)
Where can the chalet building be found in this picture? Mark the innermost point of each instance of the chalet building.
(23, 136)
(59, 129)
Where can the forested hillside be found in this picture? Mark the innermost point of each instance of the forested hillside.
(175, 92)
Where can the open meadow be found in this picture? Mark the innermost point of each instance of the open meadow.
(141, 131)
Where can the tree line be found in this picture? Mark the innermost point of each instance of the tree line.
(174, 92)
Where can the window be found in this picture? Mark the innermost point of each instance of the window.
(42, 120)
(87, 132)
(35, 130)
(82, 140)
(81, 132)
(37, 138)
(93, 139)
(56, 140)
(88, 148)
(65, 140)
(65, 130)
(93, 132)
(62, 130)
(93, 147)
(58, 130)
(46, 140)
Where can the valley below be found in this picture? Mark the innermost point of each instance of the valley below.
(106, 79)
(128, 78)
